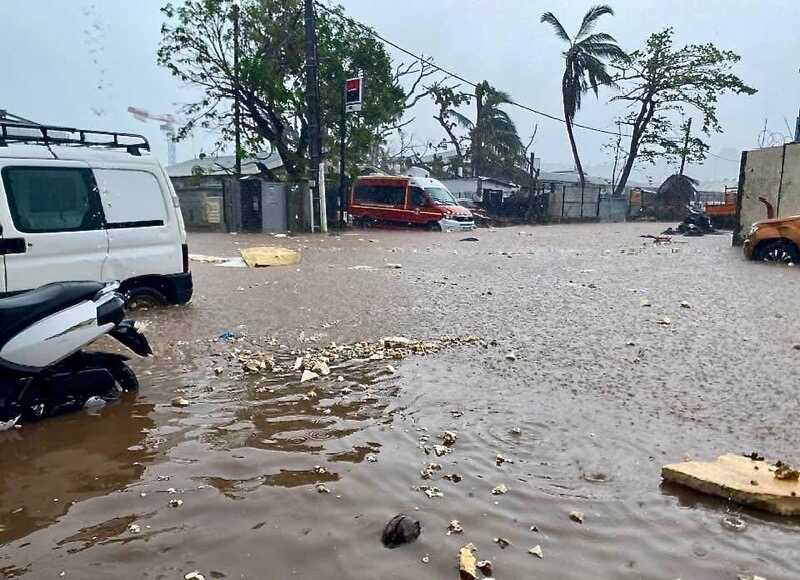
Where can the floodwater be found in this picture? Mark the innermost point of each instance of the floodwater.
(584, 418)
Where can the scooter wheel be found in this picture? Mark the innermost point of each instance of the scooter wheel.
(125, 377)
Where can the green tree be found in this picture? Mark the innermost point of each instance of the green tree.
(491, 143)
(197, 47)
(496, 145)
(659, 82)
(584, 66)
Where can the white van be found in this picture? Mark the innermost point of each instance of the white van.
(89, 205)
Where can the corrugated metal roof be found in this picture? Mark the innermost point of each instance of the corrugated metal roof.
(223, 165)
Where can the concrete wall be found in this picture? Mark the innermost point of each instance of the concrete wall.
(201, 200)
(772, 173)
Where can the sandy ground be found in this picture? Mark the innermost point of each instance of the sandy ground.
(599, 397)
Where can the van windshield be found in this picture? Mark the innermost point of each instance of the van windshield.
(440, 196)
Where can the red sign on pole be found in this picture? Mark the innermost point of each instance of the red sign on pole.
(353, 94)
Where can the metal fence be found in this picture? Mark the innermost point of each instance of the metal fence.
(593, 202)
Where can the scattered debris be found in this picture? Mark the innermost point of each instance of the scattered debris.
(466, 563)
(500, 460)
(536, 551)
(176, 503)
(449, 437)
(135, 529)
(425, 559)
(502, 542)
(431, 492)
(308, 376)
(206, 259)
(645, 303)
(511, 356)
(260, 362)
(664, 321)
(396, 342)
(754, 455)
(390, 369)
(441, 450)
(454, 527)
(576, 517)
(516, 431)
(454, 477)
(485, 566)
(321, 368)
(685, 304)
(322, 488)
(318, 469)
(194, 576)
(372, 459)
(394, 266)
(470, 239)
(180, 402)
(401, 529)
(500, 489)
(6, 425)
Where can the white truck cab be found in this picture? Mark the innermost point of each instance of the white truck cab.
(89, 205)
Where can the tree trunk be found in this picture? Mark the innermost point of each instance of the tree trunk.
(639, 127)
(477, 137)
(574, 146)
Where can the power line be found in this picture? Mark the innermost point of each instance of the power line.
(430, 62)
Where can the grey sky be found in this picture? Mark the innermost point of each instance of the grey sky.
(82, 62)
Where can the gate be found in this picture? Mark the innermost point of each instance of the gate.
(251, 205)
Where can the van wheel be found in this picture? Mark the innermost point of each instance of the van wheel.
(140, 298)
(435, 227)
(368, 222)
(778, 251)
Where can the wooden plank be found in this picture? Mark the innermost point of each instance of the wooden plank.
(738, 479)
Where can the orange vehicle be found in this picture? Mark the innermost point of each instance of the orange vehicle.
(774, 240)
(418, 201)
(723, 214)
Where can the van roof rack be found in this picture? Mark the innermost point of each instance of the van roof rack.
(15, 132)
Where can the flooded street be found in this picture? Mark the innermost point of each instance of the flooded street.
(595, 399)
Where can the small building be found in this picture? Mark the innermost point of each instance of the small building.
(205, 190)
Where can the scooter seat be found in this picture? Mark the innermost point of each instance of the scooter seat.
(22, 310)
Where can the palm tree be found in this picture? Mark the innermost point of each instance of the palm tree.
(584, 67)
(495, 141)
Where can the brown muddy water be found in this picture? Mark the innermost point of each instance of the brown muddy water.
(585, 419)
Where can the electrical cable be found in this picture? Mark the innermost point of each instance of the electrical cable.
(430, 63)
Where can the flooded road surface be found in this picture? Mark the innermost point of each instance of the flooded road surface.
(598, 398)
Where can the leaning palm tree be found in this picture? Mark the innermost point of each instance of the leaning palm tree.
(493, 135)
(585, 67)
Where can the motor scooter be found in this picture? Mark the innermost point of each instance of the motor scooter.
(44, 369)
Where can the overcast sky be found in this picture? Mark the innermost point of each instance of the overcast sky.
(83, 62)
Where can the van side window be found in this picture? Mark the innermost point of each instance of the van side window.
(380, 193)
(131, 198)
(418, 197)
(52, 199)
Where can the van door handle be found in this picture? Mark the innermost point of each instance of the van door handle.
(12, 246)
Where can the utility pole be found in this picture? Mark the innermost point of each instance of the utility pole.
(237, 129)
(342, 201)
(685, 151)
(312, 97)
